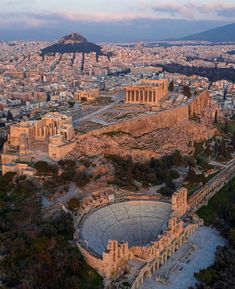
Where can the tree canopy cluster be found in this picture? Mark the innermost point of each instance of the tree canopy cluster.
(38, 252)
(152, 172)
(62, 174)
(220, 213)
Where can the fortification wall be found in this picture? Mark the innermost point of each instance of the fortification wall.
(16, 132)
(60, 151)
(199, 103)
(163, 119)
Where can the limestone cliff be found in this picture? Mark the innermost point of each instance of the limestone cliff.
(155, 135)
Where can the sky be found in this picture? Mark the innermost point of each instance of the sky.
(111, 21)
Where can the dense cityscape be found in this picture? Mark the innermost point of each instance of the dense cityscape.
(118, 162)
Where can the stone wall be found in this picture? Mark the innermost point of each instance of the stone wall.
(204, 194)
(17, 131)
(159, 120)
(150, 267)
(153, 135)
(179, 202)
(146, 124)
(198, 104)
(58, 152)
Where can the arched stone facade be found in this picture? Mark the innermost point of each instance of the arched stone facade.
(201, 196)
(115, 259)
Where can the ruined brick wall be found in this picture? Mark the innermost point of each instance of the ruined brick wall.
(179, 202)
(16, 132)
(7, 159)
(113, 261)
(58, 152)
(95, 262)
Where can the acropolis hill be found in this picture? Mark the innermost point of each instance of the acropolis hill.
(143, 137)
(156, 134)
(124, 233)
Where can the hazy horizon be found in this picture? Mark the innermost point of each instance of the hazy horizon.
(120, 22)
(115, 32)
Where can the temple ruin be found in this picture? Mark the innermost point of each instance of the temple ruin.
(86, 95)
(150, 92)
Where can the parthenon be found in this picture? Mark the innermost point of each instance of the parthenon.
(150, 92)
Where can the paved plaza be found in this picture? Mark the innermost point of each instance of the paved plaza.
(197, 253)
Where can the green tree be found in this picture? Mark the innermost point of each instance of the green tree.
(171, 86)
(41, 167)
(231, 236)
(204, 276)
(73, 204)
(187, 91)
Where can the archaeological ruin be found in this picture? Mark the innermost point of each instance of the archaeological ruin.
(87, 95)
(159, 132)
(124, 236)
(52, 136)
(150, 92)
(127, 241)
(127, 237)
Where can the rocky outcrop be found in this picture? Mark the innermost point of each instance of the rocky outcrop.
(154, 135)
(155, 144)
(72, 43)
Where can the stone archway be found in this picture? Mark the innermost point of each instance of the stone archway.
(83, 99)
(156, 265)
(147, 274)
(164, 258)
(169, 253)
(173, 249)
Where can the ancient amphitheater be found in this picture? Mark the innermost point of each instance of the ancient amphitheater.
(135, 222)
(126, 239)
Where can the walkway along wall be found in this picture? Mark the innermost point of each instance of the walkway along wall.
(159, 120)
(195, 201)
(201, 197)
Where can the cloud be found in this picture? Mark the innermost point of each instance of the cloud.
(45, 18)
(230, 12)
(219, 11)
(26, 20)
(196, 10)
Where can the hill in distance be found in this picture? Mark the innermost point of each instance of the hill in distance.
(220, 34)
(72, 43)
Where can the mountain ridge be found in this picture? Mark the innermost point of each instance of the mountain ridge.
(225, 33)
